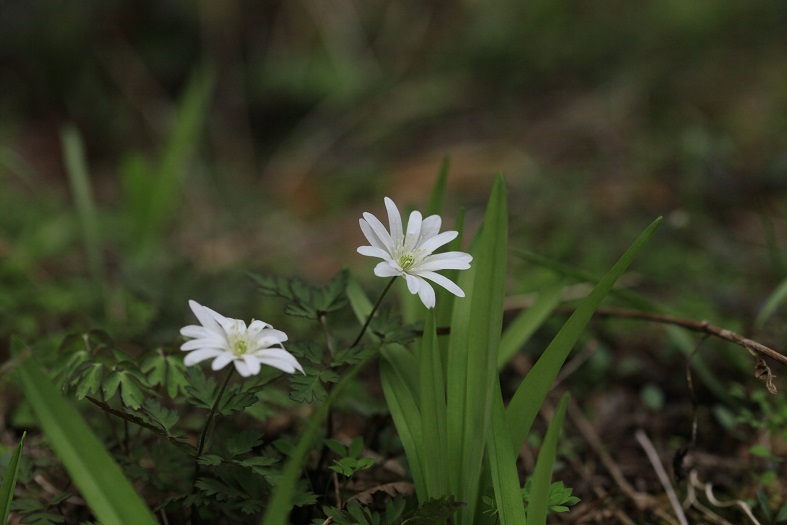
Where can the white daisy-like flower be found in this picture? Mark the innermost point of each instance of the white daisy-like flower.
(409, 254)
(228, 340)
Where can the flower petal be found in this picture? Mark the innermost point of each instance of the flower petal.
(374, 251)
(371, 236)
(253, 363)
(445, 261)
(394, 221)
(379, 230)
(196, 344)
(387, 269)
(426, 293)
(222, 360)
(443, 281)
(413, 231)
(197, 356)
(430, 226)
(435, 242)
(204, 316)
(242, 367)
(413, 283)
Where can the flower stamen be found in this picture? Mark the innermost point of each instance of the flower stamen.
(406, 261)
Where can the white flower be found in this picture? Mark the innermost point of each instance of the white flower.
(410, 254)
(228, 340)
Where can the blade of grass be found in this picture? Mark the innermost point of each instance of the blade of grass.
(538, 504)
(438, 191)
(79, 180)
(396, 375)
(108, 493)
(677, 336)
(359, 302)
(472, 356)
(152, 196)
(527, 322)
(502, 462)
(773, 302)
(432, 449)
(9, 481)
(531, 392)
(278, 510)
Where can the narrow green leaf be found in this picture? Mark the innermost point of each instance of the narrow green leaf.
(99, 479)
(531, 392)
(773, 302)
(401, 392)
(9, 481)
(527, 322)
(278, 510)
(359, 302)
(433, 425)
(438, 190)
(502, 462)
(79, 180)
(473, 350)
(542, 475)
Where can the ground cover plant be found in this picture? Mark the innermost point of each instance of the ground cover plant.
(155, 155)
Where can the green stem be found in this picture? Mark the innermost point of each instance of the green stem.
(203, 436)
(371, 314)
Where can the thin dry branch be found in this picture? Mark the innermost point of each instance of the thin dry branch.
(697, 326)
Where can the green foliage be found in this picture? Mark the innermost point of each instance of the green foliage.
(349, 461)
(9, 481)
(98, 477)
(302, 299)
(559, 500)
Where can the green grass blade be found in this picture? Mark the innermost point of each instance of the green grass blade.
(527, 322)
(107, 491)
(9, 481)
(527, 400)
(359, 302)
(401, 396)
(677, 336)
(542, 475)
(153, 192)
(79, 180)
(278, 510)
(434, 456)
(502, 462)
(773, 302)
(438, 191)
(472, 356)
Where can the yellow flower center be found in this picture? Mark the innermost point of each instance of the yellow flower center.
(406, 261)
(240, 346)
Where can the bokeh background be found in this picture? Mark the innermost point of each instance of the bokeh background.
(221, 137)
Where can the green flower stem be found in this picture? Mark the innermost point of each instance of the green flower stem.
(203, 436)
(371, 314)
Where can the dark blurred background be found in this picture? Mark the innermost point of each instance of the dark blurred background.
(278, 123)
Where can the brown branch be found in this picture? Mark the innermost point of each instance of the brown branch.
(704, 327)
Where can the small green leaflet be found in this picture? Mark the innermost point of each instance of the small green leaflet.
(303, 299)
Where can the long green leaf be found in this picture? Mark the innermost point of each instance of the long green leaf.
(502, 463)
(401, 396)
(79, 180)
(773, 302)
(107, 491)
(542, 475)
(280, 505)
(9, 481)
(433, 444)
(527, 322)
(472, 356)
(527, 400)
(677, 336)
